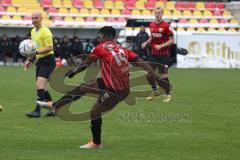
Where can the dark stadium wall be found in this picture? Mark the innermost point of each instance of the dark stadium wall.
(58, 32)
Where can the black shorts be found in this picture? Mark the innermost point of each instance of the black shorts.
(107, 100)
(110, 93)
(160, 62)
(165, 60)
(45, 66)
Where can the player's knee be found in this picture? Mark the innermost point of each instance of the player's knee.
(95, 114)
(164, 76)
(40, 85)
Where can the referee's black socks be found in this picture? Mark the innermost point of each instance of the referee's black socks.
(48, 96)
(40, 97)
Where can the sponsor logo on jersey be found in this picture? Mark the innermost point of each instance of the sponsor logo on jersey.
(157, 35)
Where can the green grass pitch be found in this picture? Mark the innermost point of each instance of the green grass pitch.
(212, 133)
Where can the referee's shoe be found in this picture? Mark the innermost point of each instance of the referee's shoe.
(33, 114)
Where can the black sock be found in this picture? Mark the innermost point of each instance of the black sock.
(96, 126)
(38, 108)
(154, 87)
(48, 96)
(66, 99)
(41, 94)
(152, 82)
(167, 86)
(71, 96)
(41, 97)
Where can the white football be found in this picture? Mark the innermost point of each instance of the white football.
(27, 48)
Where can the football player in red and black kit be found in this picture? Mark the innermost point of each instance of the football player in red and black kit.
(113, 85)
(160, 40)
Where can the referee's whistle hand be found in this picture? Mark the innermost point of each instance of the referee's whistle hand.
(27, 65)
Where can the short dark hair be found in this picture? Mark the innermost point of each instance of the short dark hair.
(108, 31)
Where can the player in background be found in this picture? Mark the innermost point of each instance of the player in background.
(45, 62)
(160, 40)
(113, 85)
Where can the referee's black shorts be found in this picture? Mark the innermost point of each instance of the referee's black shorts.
(162, 62)
(45, 66)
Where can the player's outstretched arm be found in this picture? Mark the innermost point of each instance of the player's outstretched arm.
(81, 67)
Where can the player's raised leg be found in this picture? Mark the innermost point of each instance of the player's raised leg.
(73, 95)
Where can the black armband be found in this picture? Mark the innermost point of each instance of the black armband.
(81, 68)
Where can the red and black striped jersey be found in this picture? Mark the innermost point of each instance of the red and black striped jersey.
(114, 62)
(160, 34)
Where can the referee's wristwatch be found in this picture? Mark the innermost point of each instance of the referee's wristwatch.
(36, 52)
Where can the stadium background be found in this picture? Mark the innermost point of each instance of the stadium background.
(216, 21)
